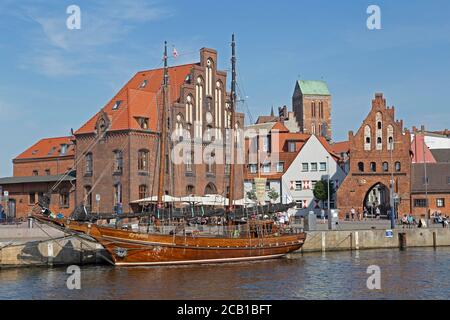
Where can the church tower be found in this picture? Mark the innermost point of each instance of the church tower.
(311, 104)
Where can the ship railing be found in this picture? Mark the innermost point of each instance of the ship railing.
(237, 231)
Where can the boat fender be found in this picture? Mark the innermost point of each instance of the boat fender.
(121, 252)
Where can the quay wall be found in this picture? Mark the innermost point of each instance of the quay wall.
(375, 239)
(50, 252)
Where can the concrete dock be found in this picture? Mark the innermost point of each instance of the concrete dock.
(21, 246)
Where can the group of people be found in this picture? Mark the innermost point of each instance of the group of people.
(282, 218)
(357, 215)
(409, 221)
(439, 218)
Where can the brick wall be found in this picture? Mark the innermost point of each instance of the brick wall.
(56, 165)
(433, 205)
(20, 193)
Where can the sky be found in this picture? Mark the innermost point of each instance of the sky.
(53, 79)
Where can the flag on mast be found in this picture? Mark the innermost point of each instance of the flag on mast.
(175, 52)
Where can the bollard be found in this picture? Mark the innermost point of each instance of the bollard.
(323, 242)
(434, 240)
(351, 241)
(402, 240)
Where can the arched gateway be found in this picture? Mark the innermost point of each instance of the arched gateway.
(378, 197)
(379, 150)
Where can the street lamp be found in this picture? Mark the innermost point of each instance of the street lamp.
(328, 186)
(427, 212)
(392, 203)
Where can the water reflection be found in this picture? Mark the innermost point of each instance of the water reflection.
(410, 274)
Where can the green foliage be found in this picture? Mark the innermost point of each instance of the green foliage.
(321, 190)
(251, 195)
(273, 195)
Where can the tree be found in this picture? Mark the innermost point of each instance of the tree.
(251, 195)
(273, 195)
(321, 191)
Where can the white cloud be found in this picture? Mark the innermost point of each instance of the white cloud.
(57, 51)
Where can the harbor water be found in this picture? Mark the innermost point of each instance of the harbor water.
(421, 273)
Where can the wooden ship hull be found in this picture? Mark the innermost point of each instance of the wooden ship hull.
(131, 248)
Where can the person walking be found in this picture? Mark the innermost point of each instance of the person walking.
(352, 212)
(2, 213)
(365, 213)
(377, 213)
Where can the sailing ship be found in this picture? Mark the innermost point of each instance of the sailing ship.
(229, 239)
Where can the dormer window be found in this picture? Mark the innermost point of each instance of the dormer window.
(143, 123)
(51, 151)
(143, 84)
(63, 150)
(117, 104)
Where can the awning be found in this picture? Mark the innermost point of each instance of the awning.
(36, 179)
(208, 200)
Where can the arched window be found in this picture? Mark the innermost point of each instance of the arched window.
(87, 199)
(118, 161)
(88, 164)
(385, 167)
(373, 167)
(208, 137)
(361, 166)
(209, 77)
(313, 128)
(143, 191)
(210, 189)
(398, 166)
(117, 193)
(390, 137)
(379, 133)
(367, 139)
(211, 163)
(189, 104)
(218, 105)
(179, 127)
(198, 107)
(237, 128)
(143, 160)
(190, 190)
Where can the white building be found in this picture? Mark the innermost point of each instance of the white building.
(297, 171)
(313, 163)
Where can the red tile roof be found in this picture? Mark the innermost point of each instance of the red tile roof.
(48, 148)
(140, 102)
(340, 147)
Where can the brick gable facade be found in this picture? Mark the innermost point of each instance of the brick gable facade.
(370, 160)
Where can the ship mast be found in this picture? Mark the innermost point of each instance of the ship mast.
(163, 133)
(233, 124)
